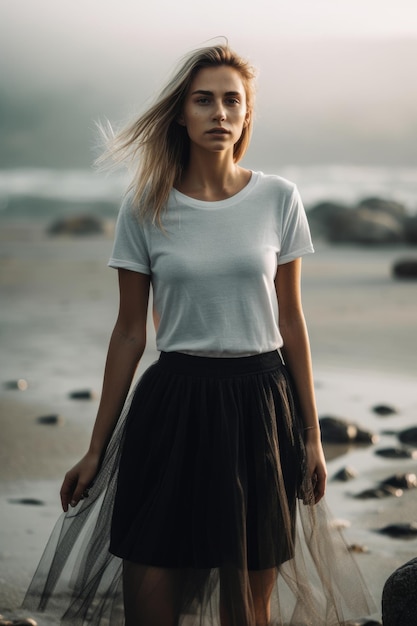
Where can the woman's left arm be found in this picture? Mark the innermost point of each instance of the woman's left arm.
(297, 357)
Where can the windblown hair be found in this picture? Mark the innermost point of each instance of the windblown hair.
(157, 146)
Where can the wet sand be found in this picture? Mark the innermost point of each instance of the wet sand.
(59, 302)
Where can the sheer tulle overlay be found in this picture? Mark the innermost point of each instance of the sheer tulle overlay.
(203, 494)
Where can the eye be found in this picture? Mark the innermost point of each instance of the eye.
(233, 101)
(202, 100)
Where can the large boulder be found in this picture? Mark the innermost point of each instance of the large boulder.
(399, 599)
(379, 205)
(321, 215)
(365, 226)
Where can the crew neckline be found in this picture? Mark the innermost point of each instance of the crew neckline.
(217, 204)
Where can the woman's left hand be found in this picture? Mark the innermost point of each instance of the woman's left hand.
(317, 471)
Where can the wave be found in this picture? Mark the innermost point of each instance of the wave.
(40, 193)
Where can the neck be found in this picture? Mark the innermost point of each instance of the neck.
(213, 176)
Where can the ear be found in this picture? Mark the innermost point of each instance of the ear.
(181, 120)
(247, 119)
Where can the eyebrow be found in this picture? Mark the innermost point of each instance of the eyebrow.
(203, 92)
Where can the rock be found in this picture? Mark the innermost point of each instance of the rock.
(365, 436)
(383, 491)
(21, 384)
(82, 394)
(408, 436)
(397, 453)
(322, 214)
(410, 229)
(384, 409)
(400, 530)
(379, 205)
(28, 501)
(405, 268)
(345, 474)
(78, 225)
(25, 622)
(337, 430)
(50, 419)
(402, 481)
(365, 226)
(399, 603)
(358, 548)
(340, 524)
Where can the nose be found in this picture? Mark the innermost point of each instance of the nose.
(219, 112)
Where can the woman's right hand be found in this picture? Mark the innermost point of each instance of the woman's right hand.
(78, 479)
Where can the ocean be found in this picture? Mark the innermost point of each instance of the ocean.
(41, 194)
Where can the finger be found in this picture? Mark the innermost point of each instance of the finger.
(320, 488)
(80, 493)
(66, 492)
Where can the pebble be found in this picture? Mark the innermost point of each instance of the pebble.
(21, 384)
(402, 481)
(27, 501)
(358, 548)
(337, 430)
(384, 409)
(382, 491)
(82, 394)
(400, 531)
(345, 474)
(409, 435)
(50, 419)
(397, 453)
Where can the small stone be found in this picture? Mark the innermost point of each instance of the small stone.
(50, 419)
(82, 394)
(400, 531)
(408, 436)
(383, 491)
(21, 384)
(397, 453)
(345, 474)
(402, 481)
(358, 548)
(384, 409)
(340, 524)
(27, 501)
(337, 430)
(405, 268)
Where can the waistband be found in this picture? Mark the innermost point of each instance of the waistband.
(178, 362)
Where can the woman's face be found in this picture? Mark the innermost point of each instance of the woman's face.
(215, 109)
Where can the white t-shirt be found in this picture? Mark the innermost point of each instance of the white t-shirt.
(213, 268)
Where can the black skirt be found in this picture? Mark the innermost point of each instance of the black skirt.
(204, 487)
(211, 464)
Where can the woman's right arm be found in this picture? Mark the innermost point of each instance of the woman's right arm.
(126, 347)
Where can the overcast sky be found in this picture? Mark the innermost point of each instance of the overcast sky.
(334, 68)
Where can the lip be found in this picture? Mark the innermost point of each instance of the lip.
(218, 131)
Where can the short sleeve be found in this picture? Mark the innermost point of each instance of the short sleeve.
(296, 238)
(130, 249)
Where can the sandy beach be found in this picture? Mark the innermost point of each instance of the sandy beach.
(59, 302)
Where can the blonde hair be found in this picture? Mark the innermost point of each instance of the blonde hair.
(158, 146)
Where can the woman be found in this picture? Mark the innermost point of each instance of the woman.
(210, 480)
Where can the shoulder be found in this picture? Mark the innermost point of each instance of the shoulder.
(275, 185)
